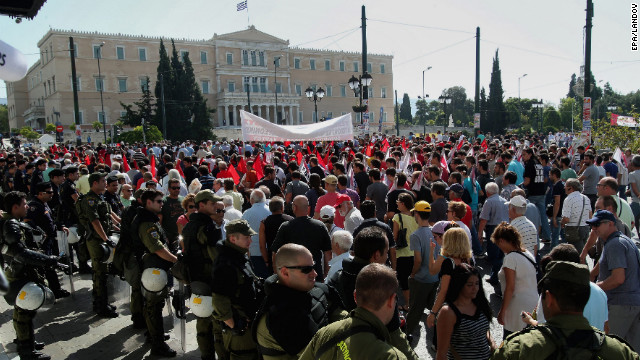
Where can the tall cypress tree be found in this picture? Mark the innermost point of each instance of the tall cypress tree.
(164, 69)
(405, 108)
(484, 121)
(495, 104)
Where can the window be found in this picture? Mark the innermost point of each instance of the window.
(261, 56)
(144, 83)
(355, 66)
(122, 85)
(343, 91)
(120, 52)
(53, 80)
(101, 117)
(278, 88)
(370, 92)
(372, 116)
(296, 63)
(231, 86)
(80, 116)
(75, 50)
(45, 88)
(254, 84)
(245, 57)
(78, 83)
(312, 64)
(263, 85)
(341, 65)
(97, 51)
(300, 114)
(369, 67)
(142, 54)
(203, 57)
(205, 86)
(298, 89)
(383, 93)
(358, 117)
(46, 54)
(384, 117)
(229, 59)
(245, 81)
(253, 58)
(329, 115)
(381, 68)
(99, 84)
(329, 90)
(327, 65)
(314, 117)
(183, 54)
(123, 114)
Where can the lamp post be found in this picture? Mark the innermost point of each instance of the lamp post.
(444, 100)
(104, 118)
(315, 96)
(360, 85)
(523, 75)
(539, 106)
(276, 62)
(519, 107)
(423, 71)
(423, 117)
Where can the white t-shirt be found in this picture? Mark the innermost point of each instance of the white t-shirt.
(525, 293)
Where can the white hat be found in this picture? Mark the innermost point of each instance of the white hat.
(327, 211)
(517, 201)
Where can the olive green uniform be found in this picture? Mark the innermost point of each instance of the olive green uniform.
(539, 342)
(234, 296)
(91, 207)
(200, 237)
(153, 238)
(371, 344)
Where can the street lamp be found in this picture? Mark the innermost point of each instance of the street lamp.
(276, 62)
(315, 96)
(444, 100)
(539, 106)
(104, 118)
(519, 84)
(423, 116)
(360, 85)
(423, 71)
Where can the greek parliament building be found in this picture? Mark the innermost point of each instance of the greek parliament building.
(223, 66)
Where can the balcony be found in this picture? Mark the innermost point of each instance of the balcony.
(33, 114)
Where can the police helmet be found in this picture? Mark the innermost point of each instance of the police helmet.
(154, 280)
(107, 253)
(34, 296)
(201, 301)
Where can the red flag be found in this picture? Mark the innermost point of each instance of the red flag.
(301, 144)
(178, 167)
(445, 168)
(484, 145)
(257, 166)
(385, 145)
(287, 143)
(125, 164)
(320, 160)
(152, 165)
(234, 174)
(100, 160)
(369, 150)
(242, 166)
(108, 160)
(326, 158)
(299, 158)
(135, 165)
(404, 144)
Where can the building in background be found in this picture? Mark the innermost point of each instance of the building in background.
(225, 67)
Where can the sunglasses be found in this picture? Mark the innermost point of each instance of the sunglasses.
(158, 201)
(220, 211)
(305, 269)
(175, 188)
(191, 207)
(49, 192)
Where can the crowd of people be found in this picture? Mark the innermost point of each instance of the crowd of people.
(337, 249)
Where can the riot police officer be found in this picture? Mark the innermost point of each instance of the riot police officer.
(37, 176)
(95, 218)
(111, 195)
(56, 177)
(68, 216)
(235, 300)
(200, 236)
(39, 216)
(24, 267)
(157, 256)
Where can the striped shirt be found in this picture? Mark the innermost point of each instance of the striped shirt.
(527, 231)
(469, 337)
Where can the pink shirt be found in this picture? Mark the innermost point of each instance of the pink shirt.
(330, 199)
(182, 220)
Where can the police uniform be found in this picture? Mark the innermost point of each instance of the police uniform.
(288, 318)
(93, 207)
(234, 293)
(36, 178)
(200, 236)
(567, 331)
(24, 264)
(68, 216)
(114, 201)
(152, 236)
(371, 342)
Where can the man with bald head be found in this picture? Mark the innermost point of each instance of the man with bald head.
(296, 306)
(308, 232)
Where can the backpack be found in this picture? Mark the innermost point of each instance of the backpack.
(580, 344)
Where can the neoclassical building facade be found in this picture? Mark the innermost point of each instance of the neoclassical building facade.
(233, 71)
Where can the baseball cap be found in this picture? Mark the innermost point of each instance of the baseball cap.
(600, 216)
(238, 226)
(327, 211)
(422, 206)
(517, 201)
(566, 271)
(457, 188)
(439, 227)
(207, 194)
(340, 199)
(331, 180)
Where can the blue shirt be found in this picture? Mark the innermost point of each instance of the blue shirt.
(420, 241)
(620, 252)
(495, 210)
(612, 169)
(474, 194)
(517, 168)
(254, 215)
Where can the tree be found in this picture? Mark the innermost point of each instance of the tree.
(152, 134)
(421, 112)
(568, 114)
(50, 128)
(97, 125)
(551, 119)
(4, 119)
(29, 133)
(460, 107)
(572, 83)
(144, 109)
(483, 108)
(495, 106)
(405, 108)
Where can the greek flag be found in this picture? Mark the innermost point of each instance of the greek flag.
(242, 5)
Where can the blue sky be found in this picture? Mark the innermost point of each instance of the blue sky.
(543, 39)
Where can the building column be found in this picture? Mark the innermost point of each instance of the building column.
(229, 112)
(220, 115)
(239, 123)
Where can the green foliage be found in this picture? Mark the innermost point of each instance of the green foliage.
(496, 112)
(421, 112)
(50, 128)
(460, 107)
(569, 111)
(97, 125)
(144, 108)
(551, 118)
(29, 133)
(606, 136)
(4, 119)
(405, 108)
(72, 127)
(152, 134)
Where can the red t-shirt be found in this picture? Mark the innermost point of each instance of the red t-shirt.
(467, 216)
(330, 199)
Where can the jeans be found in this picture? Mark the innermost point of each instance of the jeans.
(494, 254)
(557, 233)
(622, 192)
(476, 243)
(635, 208)
(539, 202)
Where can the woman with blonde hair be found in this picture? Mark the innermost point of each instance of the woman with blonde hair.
(517, 278)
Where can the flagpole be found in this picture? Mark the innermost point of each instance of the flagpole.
(248, 22)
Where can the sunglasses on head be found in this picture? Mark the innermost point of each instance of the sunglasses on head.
(305, 269)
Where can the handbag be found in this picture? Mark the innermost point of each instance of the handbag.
(401, 241)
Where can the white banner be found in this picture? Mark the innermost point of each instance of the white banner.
(255, 128)
(619, 120)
